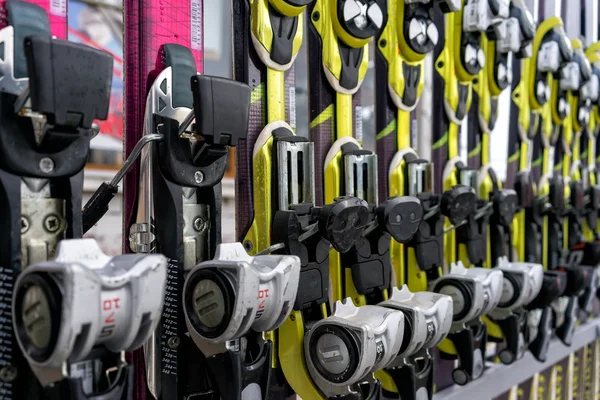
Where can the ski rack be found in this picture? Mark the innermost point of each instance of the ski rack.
(500, 378)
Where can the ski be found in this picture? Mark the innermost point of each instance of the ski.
(548, 149)
(456, 70)
(165, 368)
(403, 72)
(491, 226)
(11, 360)
(44, 149)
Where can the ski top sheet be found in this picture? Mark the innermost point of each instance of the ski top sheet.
(149, 25)
(12, 362)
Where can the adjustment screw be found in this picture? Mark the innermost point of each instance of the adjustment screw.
(173, 342)
(8, 373)
(198, 176)
(46, 165)
(52, 223)
(248, 245)
(199, 224)
(24, 225)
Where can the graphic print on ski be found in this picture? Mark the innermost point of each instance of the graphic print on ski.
(149, 25)
(19, 381)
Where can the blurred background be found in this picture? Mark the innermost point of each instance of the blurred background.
(100, 24)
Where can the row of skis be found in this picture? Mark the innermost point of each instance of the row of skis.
(357, 274)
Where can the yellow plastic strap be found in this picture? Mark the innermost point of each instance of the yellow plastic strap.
(485, 148)
(275, 95)
(403, 130)
(453, 135)
(343, 115)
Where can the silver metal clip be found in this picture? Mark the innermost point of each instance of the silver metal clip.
(361, 176)
(295, 162)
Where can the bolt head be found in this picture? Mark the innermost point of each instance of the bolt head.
(198, 176)
(8, 373)
(173, 342)
(46, 165)
(199, 224)
(52, 223)
(24, 225)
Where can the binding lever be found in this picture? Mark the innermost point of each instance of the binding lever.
(366, 339)
(592, 208)
(540, 318)
(24, 20)
(231, 299)
(51, 91)
(576, 213)
(455, 204)
(522, 283)
(214, 129)
(473, 232)
(586, 252)
(298, 224)
(294, 225)
(56, 126)
(522, 280)
(475, 292)
(578, 277)
(398, 217)
(428, 318)
(566, 308)
(76, 316)
(505, 203)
